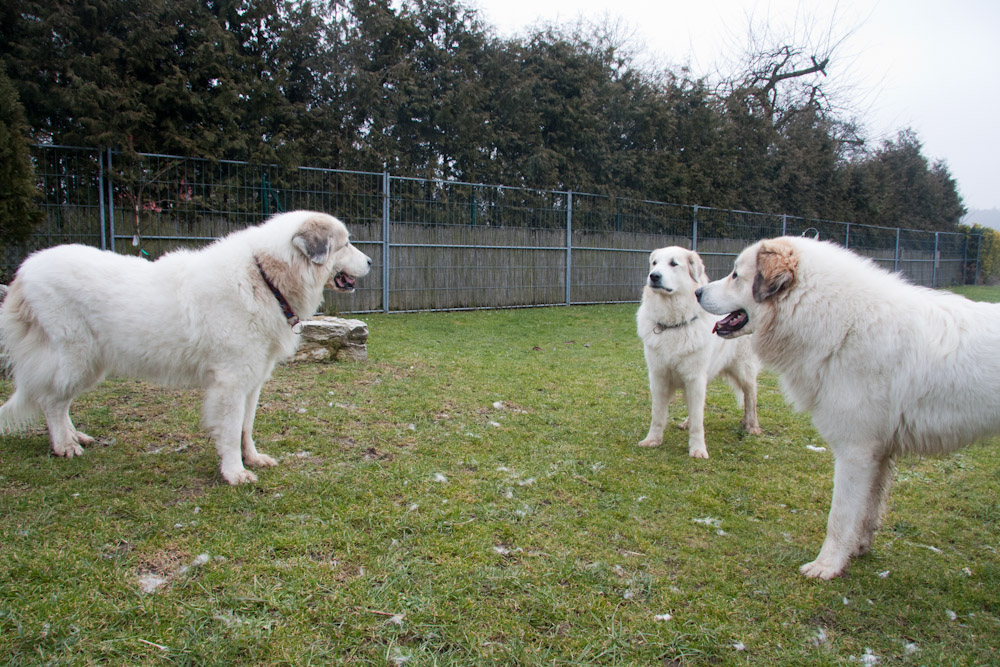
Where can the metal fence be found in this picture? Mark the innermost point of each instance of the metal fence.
(437, 245)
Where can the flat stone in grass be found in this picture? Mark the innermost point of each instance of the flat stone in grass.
(333, 339)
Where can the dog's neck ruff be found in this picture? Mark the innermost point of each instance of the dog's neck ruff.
(290, 315)
(660, 327)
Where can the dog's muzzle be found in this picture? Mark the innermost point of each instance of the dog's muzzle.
(655, 281)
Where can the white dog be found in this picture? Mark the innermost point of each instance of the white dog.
(682, 353)
(218, 318)
(885, 368)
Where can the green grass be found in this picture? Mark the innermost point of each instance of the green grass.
(412, 522)
(989, 293)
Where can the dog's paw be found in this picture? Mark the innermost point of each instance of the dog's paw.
(261, 461)
(83, 439)
(698, 453)
(684, 424)
(651, 442)
(818, 570)
(239, 476)
(68, 450)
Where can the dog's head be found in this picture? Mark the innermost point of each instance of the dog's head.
(762, 275)
(324, 241)
(675, 270)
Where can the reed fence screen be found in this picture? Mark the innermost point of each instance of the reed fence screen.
(436, 245)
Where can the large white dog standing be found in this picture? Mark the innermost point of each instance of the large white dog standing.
(682, 353)
(218, 318)
(885, 368)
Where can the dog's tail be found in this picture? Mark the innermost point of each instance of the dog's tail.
(18, 412)
(15, 335)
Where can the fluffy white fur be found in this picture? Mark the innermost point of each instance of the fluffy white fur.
(885, 368)
(682, 353)
(203, 318)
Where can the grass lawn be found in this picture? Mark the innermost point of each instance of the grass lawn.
(978, 292)
(473, 495)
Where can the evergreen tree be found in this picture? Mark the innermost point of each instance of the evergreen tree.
(421, 87)
(19, 212)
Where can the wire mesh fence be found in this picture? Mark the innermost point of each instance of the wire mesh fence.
(436, 245)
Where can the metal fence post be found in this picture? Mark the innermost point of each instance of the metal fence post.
(934, 272)
(111, 203)
(100, 200)
(847, 236)
(895, 259)
(569, 248)
(385, 241)
(694, 229)
(965, 258)
(784, 224)
(979, 248)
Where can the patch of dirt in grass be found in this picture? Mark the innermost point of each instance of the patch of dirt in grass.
(349, 572)
(164, 562)
(117, 550)
(372, 454)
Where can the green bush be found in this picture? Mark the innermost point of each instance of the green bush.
(989, 253)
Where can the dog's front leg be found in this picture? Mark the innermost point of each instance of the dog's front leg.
(251, 456)
(855, 476)
(661, 393)
(694, 395)
(223, 416)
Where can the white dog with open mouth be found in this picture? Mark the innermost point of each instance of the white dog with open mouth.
(885, 368)
(218, 318)
(682, 353)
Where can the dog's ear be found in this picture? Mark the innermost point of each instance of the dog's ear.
(697, 268)
(777, 264)
(313, 240)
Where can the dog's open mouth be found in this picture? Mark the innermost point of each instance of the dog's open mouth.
(343, 282)
(731, 323)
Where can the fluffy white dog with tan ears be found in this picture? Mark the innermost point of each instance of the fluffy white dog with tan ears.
(218, 318)
(885, 367)
(682, 353)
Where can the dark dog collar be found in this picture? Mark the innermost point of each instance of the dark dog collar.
(290, 315)
(660, 327)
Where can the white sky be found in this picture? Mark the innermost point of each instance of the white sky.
(932, 65)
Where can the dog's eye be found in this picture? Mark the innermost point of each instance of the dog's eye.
(673, 263)
(734, 274)
(654, 262)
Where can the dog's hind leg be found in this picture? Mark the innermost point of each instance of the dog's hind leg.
(66, 380)
(251, 456)
(66, 440)
(877, 501)
(749, 422)
(223, 416)
(742, 377)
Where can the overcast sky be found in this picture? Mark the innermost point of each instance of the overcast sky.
(931, 65)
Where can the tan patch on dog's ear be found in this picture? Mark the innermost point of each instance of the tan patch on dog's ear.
(313, 239)
(286, 278)
(696, 268)
(777, 264)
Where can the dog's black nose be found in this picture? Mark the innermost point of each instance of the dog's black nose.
(697, 294)
(654, 278)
